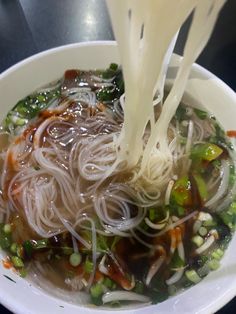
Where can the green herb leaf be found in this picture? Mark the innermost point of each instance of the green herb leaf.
(206, 151)
(176, 262)
(181, 192)
(201, 114)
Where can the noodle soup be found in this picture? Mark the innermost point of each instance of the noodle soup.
(118, 239)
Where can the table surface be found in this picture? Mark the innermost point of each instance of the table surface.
(31, 26)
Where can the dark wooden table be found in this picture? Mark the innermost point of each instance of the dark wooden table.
(30, 26)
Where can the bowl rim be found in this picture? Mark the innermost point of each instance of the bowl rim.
(5, 298)
(43, 53)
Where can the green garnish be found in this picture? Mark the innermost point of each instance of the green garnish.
(13, 248)
(176, 262)
(201, 114)
(28, 108)
(180, 113)
(67, 250)
(5, 238)
(88, 266)
(198, 240)
(202, 231)
(109, 283)
(217, 254)
(7, 228)
(75, 259)
(214, 264)
(111, 71)
(181, 192)
(17, 262)
(139, 287)
(96, 292)
(202, 188)
(206, 151)
(192, 276)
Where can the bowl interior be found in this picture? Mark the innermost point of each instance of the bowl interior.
(203, 89)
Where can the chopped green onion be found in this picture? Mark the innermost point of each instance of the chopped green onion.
(183, 140)
(192, 276)
(111, 71)
(96, 290)
(181, 192)
(139, 287)
(28, 248)
(220, 252)
(176, 262)
(23, 272)
(17, 261)
(20, 122)
(67, 250)
(206, 151)
(20, 251)
(214, 264)
(209, 223)
(232, 208)
(41, 98)
(180, 113)
(5, 238)
(180, 210)
(105, 94)
(152, 214)
(204, 216)
(88, 266)
(202, 231)
(202, 188)
(113, 66)
(40, 244)
(102, 244)
(217, 254)
(75, 259)
(108, 283)
(196, 226)
(7, 228)
(197, 240)
(201, 114)
(13, 248)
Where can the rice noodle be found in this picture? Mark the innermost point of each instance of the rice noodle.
(205, 246)
(189, 137)
(225, 169)
(178, 223)
(168, 192)
(154, 269)
(75, 246)
(179, 273)
(213, 235)
(68, 226)
(124, 296)
(94, 248)
(158, 226)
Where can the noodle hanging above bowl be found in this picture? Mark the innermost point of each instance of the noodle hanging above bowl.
(125, 199)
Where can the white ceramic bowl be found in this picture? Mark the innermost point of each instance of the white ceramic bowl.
(203, 88)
